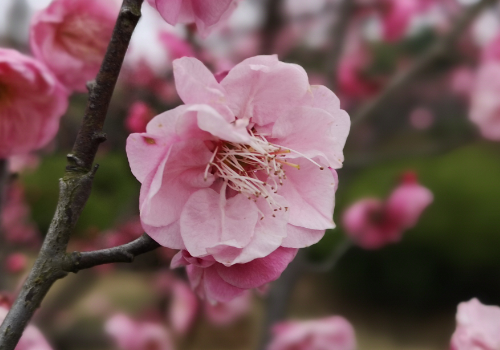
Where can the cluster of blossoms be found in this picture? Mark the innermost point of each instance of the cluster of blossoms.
(373, 223)
(241, 175)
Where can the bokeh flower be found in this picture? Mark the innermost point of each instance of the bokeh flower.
(373, 223)
(331, 333)
(31, 104)
(478, 327)
(71, 38)
(129, 334)
(205, 14)
(31, 339)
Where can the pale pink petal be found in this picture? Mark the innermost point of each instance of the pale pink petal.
(263, 88)
(195, 83)
(216, 289)
(210, 12)
(168, 9)
(313, 133)
(300, 237)
(311, 194)
(145, 152)
(210, 221)
(259, 271)
(407, 203)
(179, 175)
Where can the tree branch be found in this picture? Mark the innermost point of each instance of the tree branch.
(339, 35)
(126, 253)
(76, 185)
(436, 51)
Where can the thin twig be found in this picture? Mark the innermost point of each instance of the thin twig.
(436, 51)
(76, 185)
(272, 25)
(329, 264)
(126, 253)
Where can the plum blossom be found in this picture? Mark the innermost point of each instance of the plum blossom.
(16, 262)
(183, 306)
(31, 339)
(373, 223)
(478, 327)
(132, 335)
(205, 14)
(331, 333)
(71, 38)
(31, 104)
(240, 169)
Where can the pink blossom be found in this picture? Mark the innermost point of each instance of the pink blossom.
(331, 333)
(16, 262)
(491, 52)
(421, 118)
(220, 175)
(478, 327)
(396, 17)
(462, 81)
(132, 335)
(15, 218)
(138, 117)
(176, 46)
(31, 104)
(485, 104)
(373, 223)
(222, 314)
(218, 283)
(31, 339)
(205, 14)
(183, 307)
(23, 162)
(71, 38)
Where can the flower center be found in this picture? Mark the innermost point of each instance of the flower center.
(256, 170)
(82, 37)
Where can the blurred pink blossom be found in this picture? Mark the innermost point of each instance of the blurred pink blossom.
(491, 52)
(331, 333)
(485, 104)
(31, 104)
(396, 17)
(31, 339)
(22, 162)
(183, 307)
(478, 327)
(16, 262)
(15, 218)
(139, 115)
(421, 118)
(71, 38)
(462, 81)
(220, 175)
(373, 223)
(205, 14)
(215, 282)
(222, 314)
(132, 335)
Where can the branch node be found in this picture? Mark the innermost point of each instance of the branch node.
(75, 161)
(94, 170)
(100, 137)
(91, 85)
(130, 12)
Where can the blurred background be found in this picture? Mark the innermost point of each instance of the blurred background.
(400, 296)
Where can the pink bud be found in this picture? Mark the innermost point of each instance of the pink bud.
(16, 262)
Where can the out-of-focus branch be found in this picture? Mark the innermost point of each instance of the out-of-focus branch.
(331, 261)
(76, 185)
(274, 21)
(339, 36)
(436, 51)
(126, 253)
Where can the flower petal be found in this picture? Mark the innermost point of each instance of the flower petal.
(311, 194)
(312, 132)
(263, 88)
(300, 237)
(259, 271)
(216, 289)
